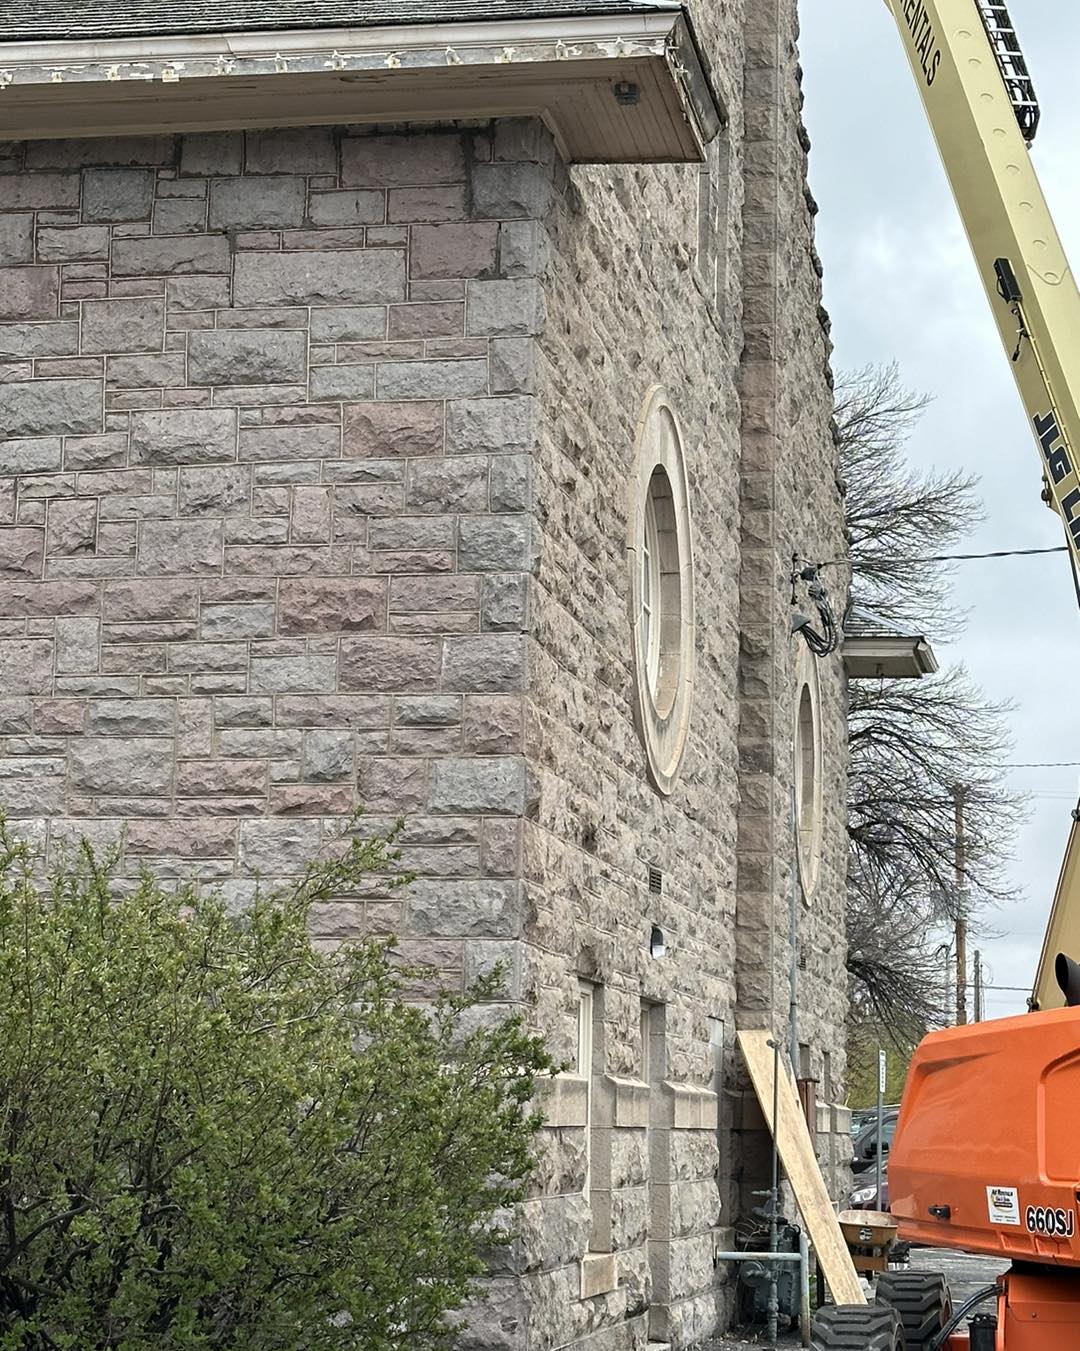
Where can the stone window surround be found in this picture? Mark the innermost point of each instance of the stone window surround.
(807, 772)
(662, 706)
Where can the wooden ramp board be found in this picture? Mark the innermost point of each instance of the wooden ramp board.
(797, 1156)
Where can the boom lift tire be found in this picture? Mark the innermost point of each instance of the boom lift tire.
(857, 1327)
(922, 1300)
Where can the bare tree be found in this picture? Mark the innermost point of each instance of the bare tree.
(912, 742)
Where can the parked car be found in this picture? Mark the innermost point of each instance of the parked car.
(865, 1144)
(866, 1196)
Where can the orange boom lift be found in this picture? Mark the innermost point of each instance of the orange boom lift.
(986, 1156)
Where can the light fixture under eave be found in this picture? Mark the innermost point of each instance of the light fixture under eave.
(657, 946)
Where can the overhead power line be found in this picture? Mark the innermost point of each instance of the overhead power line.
(965, 558)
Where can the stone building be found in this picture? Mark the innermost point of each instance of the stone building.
(422, 404)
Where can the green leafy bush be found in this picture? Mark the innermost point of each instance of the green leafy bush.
(213, 1135)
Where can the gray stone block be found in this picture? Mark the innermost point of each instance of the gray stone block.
(75, 152)
(72, 526)
(402, 161)
(347, 208)
(29, 292)
(133, 766)
(66, 245)
(361, 277)
(26, 665)
(37, 455)
(165, 371)
(175, 548)
(171, 255)
(16, 238)
(452, 484)
(131, 717)
(513, 365)
(444, 251)
(300, 150)
(511, 483)
(509, 191)
(524, 249)
(348, 323)
(212, 154)
(51, 407)
(257, 203)
(77, 646)
(38, 192)
(233, 622)
(504, 426)
(117, 194)
(505, 603)
(123, 325)
(22, 550)
(496, 544)
(180, 216)
(213, 491)
(431, 379)
(504, 309)
(328, 756)
(460, 909)
(312, 672)
(433, 710)
(489, 664)
(278, 848)
(184, 436)
(39, 340)
(247, 356)
(331, 383)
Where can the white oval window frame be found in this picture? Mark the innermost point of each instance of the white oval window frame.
(664, 724)
(807, 762)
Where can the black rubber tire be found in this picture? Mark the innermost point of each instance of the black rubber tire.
(857, 1327)
(922, 1300)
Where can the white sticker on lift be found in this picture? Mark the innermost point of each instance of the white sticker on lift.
(1003, 1205)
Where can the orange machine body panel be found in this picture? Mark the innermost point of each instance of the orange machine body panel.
(987, 1149)
(1038, 1312)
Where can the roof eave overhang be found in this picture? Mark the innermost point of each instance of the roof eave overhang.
(885, 657)
(613, 89)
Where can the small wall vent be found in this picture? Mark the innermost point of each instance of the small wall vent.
(656, 881)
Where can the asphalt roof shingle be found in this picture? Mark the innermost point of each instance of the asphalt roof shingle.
(29, 20)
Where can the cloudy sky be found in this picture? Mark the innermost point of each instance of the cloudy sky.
(901, 285)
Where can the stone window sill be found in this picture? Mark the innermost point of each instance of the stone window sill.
(598, 1276)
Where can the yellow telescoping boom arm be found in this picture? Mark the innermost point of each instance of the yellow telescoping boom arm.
(981, 105)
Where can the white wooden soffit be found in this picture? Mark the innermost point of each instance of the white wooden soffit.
(623, 89)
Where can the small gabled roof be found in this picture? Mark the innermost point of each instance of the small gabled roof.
(877, 648)
(42, 20)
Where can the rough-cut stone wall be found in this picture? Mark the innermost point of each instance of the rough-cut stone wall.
(315, 453)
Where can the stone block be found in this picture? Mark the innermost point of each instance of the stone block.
(311, 672)
(434, 710)
(51, 407)
(132, 766)
(359, 277)
(464, 909)
(435, 320)
(257, 203)
(509, 191)
(422, 593)
(432, 379)
(504, 426)
(348, 323)
(504, 309)
(328, 756)
(170, 255)
(394, 161)
(212, 154)
(77, 646)
(513, 365)
(26, 665)
(331, 383)
(140, 602)
(16, 238)
(505, 604)
(478, 785)
(488, 664)
(34, 455)
(395, 665)
(38, 192)
(347, 208)
(75, 152)
(123, 325)
(38, 340)
(380, 430)
(277, 848)
(496, 544)
(172, 548)
(183, 436)
(443, 251)
(331, 604)
(117, 194)
(214, 491)
(248, 356)
(146, 371)
(290, 444)
(233, 622)
(427, 204)
(299, 150)
(190, 837)
(392, 786)
(221, 778)
(29, 292)
(66, 245)
(523, 248)
(511, 483)
(72, 526)
(493, 725)
(131, 717)
(454, 484)
(22, 552)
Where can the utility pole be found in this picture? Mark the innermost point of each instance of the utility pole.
(978, 987)
(959, 798)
